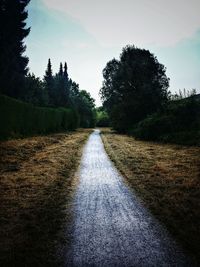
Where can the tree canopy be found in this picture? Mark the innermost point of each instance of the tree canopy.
(134, 86)
(13, 64)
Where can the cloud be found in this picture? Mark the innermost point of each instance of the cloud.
(142, 22)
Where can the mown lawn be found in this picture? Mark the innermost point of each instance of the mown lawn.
(167, 180)
(36, 186)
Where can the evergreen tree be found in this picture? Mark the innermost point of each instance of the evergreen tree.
(66, 85)
(49, 84)
(61, 84)
(65, 72)
(13, 65)
(48, 73)
(61, 70)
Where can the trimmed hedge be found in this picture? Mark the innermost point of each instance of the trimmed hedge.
(18, 119)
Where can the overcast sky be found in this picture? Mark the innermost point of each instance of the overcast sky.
(87, 34)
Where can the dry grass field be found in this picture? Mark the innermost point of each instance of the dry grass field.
(167, 180)
(36, 184)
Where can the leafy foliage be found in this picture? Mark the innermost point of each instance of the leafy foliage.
(178, 123)
(102, 118)
(35, 92)
(133, 87)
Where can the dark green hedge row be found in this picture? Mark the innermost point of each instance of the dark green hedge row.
(179, 123)
(21, 119)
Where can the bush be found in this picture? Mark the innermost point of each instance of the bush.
(182, 138)
(153, 127)
(178, 123)
(22, 119)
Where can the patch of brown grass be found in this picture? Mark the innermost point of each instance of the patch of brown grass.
(37, 181)
(166, 178)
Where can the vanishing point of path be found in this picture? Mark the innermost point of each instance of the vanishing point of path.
(111, 227)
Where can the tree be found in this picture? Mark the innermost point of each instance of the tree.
(61, 87)
(86, 105)
(60, 73)
(133, 87)
(102, 118)
(35, 91)
(65, 72)
(13, 65)
(48, 73)
(49, 83)
(109, 94)
(66, 85)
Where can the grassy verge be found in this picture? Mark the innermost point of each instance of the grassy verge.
(166, 178)
(37, 182)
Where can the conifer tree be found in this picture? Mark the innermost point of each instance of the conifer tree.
(66, 85)
(65, 72)
(13, 64)
(49, 83)
(48, 73)
(61, 70)
(62, 87)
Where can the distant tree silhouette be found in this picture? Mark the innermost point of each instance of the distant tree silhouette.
(49, 84)
(86, 105)
(60, 73)
(13, 65)
(48, 73)
(35, 91)
(65, 72)
(61, 87)
(66, 84)
(133, 87)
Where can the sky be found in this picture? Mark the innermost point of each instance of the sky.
(87, 34)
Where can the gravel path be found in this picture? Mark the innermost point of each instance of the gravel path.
(111, 227)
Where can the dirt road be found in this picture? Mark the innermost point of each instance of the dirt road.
(111, 227)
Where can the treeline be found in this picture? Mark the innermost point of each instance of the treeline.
(135, 94)
(50, 105)
(52, 94)
(60, 91)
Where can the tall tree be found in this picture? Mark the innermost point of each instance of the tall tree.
(13, 64)
(61, 87)
(65, 72)
(86, 108)
(134, 87)
(60, 73)
(49, 83)
(66, 85)
(48, 73)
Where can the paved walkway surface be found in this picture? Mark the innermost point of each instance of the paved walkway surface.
(111, 227)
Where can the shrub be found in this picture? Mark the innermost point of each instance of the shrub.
(178, 123)
(22, 119)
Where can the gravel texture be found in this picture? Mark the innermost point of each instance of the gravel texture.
(111, 226)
